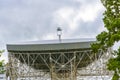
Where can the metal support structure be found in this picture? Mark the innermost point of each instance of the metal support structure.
(59, 33)
(63, 66)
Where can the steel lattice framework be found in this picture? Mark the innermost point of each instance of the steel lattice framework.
(63, 66)
(60, 64)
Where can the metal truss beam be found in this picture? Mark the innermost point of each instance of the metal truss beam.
(62, 67)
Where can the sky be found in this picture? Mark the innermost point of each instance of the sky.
(33, 20)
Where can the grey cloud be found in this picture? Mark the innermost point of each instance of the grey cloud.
(89, 29)
(22, 20)
(33, 20)
(28, 19)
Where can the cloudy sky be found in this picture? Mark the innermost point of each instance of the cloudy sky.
(30, 20)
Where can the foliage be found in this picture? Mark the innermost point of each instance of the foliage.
(112, 34)
(2, 65)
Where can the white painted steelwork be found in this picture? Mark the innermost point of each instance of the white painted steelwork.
(61, 62)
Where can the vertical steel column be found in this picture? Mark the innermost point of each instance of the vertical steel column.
(28, 55)
(74, 67)
(10, 66)
(51, 66)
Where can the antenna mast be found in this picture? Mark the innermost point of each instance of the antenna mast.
(59, 33)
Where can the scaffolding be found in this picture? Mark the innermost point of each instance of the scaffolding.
(70, 64)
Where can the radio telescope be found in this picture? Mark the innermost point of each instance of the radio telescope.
(70, 59)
